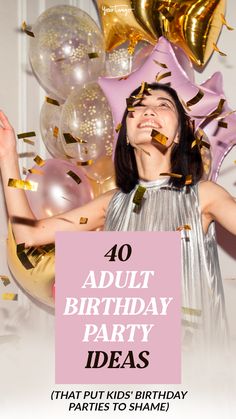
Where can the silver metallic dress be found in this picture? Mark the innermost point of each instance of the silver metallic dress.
(165, 208)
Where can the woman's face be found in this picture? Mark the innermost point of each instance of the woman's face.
(158, 112)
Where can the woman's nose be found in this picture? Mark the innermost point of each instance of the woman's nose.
(149, 110)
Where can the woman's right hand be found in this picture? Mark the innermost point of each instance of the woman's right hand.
(7, 137)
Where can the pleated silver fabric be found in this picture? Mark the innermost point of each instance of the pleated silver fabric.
(165, 208)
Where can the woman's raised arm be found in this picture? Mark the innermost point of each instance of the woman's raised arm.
(33, 232)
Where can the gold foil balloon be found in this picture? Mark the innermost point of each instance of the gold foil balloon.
(38, 281)
(86, 124)
(67, 49)
(193, 25)
(120, 23)
(49, 127)
(101, 175)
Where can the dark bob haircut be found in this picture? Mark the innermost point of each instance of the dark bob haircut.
(184, 160)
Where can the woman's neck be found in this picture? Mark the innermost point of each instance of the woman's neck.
(151, 165)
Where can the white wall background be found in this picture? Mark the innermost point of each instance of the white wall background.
(21, 98)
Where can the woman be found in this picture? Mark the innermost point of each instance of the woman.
(167, 204)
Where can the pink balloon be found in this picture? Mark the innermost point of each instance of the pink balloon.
(117, 90)
(57, 191)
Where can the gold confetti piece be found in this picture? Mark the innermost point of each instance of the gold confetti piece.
(184, 227)
(84, 163)
(83, 220)
(214, 113)
(26, 134)
(188, 180)
(74, 176)
(20, 250)
(160, 138)
(23, 184)
(52, 101)
(162, 9)
(138, 196)
(195, 99)
(55, 132)
(185, 105)
(159, 76)
(224, 22)
(25, 28)
(70, 139)
(92, 55)
(10, 296)
(225, 115)
(5, 280)
(36, 171)
(28, 141)
(39, 161)
(25, 221)
(144, 89)
(191, 311)
(118, 127)
(222, 124)
(215, 47)
(175, 175)
(160, 64)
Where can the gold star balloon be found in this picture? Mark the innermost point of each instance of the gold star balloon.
(120, 23)
(194, 25)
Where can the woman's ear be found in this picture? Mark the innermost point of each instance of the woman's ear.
(176, 140)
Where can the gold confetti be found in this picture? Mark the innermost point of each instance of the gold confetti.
(138, 196)
(175, 175)
(191, 311)
(159, 76)
(186, 323)
(70, 139)
(224, 22)
(84, 163)
(25, 221)
(39, 161)
(222, 124)
(36, 172)
(188, 180)
(26, 134)
(162, 9)
(185, 105)
(55, 132)
(118, 127)
(52, 101)
(20, 250)
(184, 227)
(160, 138)
(28, 141)
(214, 114)
(83, 220)
(10, 296)
(5, 280)
(23, 184)
(74, 176)
(160, 64)
(195, 99)
(25, 28)
(215, 47)
(92, 55)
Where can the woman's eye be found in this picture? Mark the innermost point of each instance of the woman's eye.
(164, 105)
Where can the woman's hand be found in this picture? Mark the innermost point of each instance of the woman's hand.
(7, 137)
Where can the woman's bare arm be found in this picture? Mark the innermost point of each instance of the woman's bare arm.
(33, 232)
(217, 204)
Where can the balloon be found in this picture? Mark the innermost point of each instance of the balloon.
(67, 49)
(120, 24)
(101, 170)
(87, 118)
(38, 281)
(222, 139)
(194, 25)
(101, 187)
(117, 90)
(120, 62)
(57, 191)
(49, 126)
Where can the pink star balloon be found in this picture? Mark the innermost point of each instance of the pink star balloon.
(118, 89)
